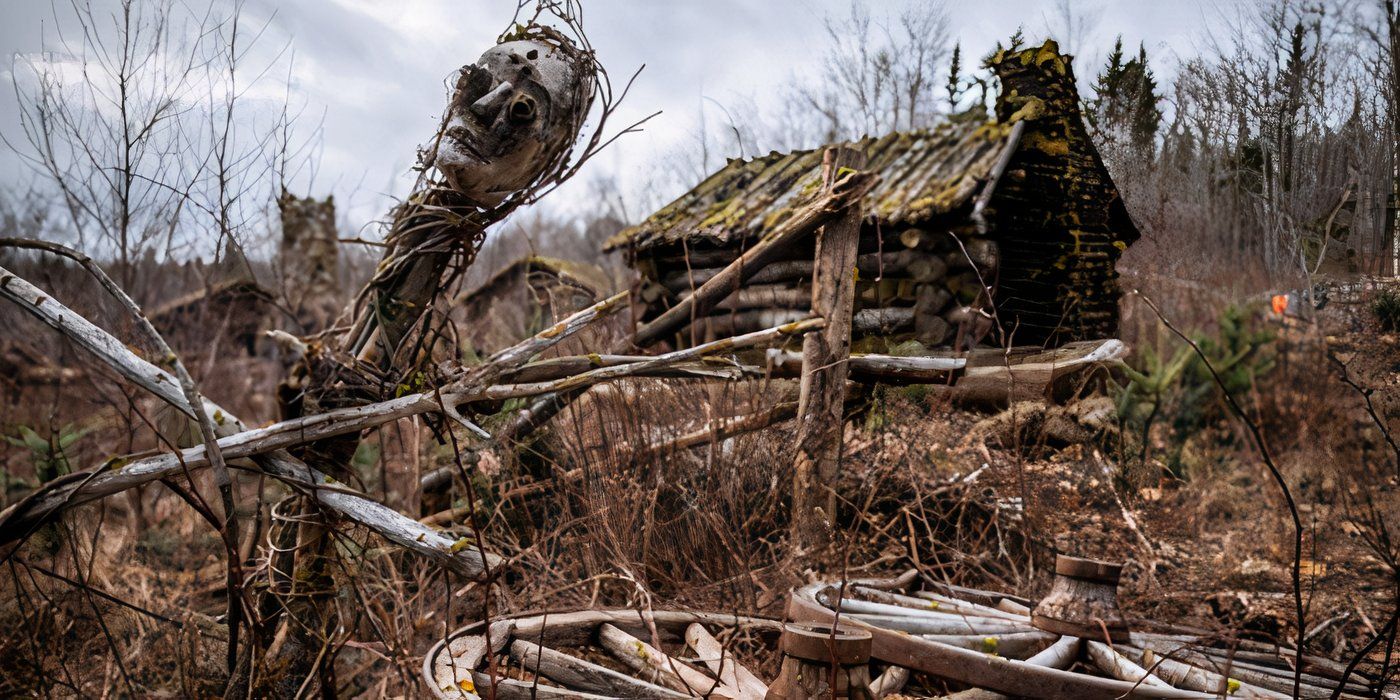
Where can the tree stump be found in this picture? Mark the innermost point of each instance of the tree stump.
(820, 663)
(1083, 601)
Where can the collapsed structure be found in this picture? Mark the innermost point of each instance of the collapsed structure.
(525, 296)
(1020, 205)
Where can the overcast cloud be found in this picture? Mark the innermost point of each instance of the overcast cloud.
(373, 72)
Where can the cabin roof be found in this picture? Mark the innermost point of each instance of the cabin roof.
(569, 271)
(236, 289)
(923, 174)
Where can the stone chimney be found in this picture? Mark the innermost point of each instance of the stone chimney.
(310, 260)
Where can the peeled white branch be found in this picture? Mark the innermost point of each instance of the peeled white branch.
(645, 658)
(116, 476)
(577, 674)
(21, 518)
(1059, 655)
(1120, 667)
(722, 663)
(521, 352)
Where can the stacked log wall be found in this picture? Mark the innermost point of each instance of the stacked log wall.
(913, 284)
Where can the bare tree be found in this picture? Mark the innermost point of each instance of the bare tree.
(99, 120)
(878, 74)
(1270, 132)
(1072, 23)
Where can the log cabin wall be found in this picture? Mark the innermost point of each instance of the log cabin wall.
(1047, 243)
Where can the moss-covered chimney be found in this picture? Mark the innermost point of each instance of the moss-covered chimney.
(1036, 83)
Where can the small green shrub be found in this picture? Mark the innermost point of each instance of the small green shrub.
(1179, 391)
(48, 453)
(1386, 307)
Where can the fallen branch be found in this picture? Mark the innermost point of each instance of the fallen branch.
(118, 475)
(48, 501)
(228, 528)
(520, 353)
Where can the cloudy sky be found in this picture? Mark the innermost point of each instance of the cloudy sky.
(372, 72)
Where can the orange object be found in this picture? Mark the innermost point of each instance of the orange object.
(1280, 303)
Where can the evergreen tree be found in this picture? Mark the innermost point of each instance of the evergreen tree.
(1124, 108)
(955, 87)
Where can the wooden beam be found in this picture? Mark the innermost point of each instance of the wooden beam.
(822, 396)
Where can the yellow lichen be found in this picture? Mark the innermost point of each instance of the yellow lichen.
(1045, 144)
(1033, 108)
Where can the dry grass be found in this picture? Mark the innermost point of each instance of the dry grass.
(587, 517)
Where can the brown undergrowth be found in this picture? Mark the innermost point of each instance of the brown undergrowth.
(126, 599)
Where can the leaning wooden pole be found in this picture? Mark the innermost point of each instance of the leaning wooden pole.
(822, 395)
(508, 133)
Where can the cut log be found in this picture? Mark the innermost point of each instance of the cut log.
(579, 674)
(1188, 667)
(974, 668)
(890, 682)
(511, 689)
(927, 269)
(870, 266)
(930, 329)
(722, 663)
(926, 600)
(914, 369)
(647, 659)
(864, 322)
(1060, 655)
(765, 296)
(1016, 645)
(939, 625)
(1121, 667)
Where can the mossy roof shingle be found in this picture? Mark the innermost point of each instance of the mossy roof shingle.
(923, 174)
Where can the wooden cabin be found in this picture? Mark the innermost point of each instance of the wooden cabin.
(1020, 204)
(524, 297)
(236, 311)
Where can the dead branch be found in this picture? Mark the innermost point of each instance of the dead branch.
(228, 529)
(53, 498)
(119, 475)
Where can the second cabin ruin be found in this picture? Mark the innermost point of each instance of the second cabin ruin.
(1020, 205)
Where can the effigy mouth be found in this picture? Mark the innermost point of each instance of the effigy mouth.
(465, 143)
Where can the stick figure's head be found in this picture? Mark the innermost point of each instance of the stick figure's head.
(513, 114)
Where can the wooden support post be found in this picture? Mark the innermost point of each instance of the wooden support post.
(822, 397)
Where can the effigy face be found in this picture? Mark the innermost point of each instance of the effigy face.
(512, 114)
